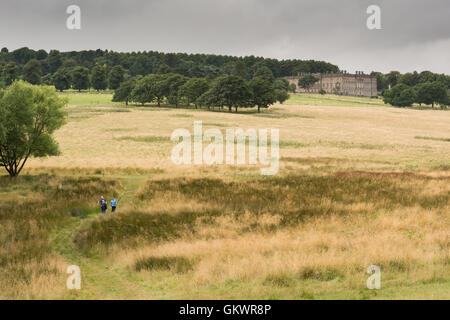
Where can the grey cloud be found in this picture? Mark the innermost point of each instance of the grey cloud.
(415, 33)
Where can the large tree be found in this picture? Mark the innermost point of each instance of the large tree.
(193, 89)
(32, 71)
(306, 82)
(159, 86)
(239, 69)
(54, 61)
(61, 79)
(281, 84)
(123, 93)
(392, 78)
(233, 92)
(143, 91)
(262, 92)
(98, 78)
(264, 73)
(400, 95)
(9, 73)
(173, 84)
(432, 93)
(30, 115)
(281, 95)
(116, 77)
(80, 78)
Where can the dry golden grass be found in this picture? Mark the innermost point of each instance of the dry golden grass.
(365, 133)
(246, 252)
(398, 240)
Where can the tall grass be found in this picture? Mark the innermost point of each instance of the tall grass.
(290, 200)
(36, 206)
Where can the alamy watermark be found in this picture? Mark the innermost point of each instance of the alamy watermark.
(235, 147)
(374, 20)
(374, 281)
(73, 22)
(74, 280)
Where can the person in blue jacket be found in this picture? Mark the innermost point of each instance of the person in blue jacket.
(113, 205)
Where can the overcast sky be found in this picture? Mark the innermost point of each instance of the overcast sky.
(415, 34)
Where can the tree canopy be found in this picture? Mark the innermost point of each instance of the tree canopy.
(432, 93)
(32, 71)
(30, 115)
(98, 78)
(306, 82)
(263, 94)
(80, 78)
(400, 95)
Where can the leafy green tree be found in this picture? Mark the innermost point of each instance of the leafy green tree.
(41, 54)
(427, 76)
(32, 71)
(210, 98)
(164, 69)
(80, 78)
(9, 73)
(116, 77)
(23, 55)
(159, 86)
(263, 93)
(30, 115)
(432, 93)
(193, 89)
(306, 82)
(281, 84)
(69, 63)
(54, 61)
(400, 95)
(47, 80)
(392, 78)
(98, 78)
(240, 69)
(410, 79)
(264, 73)
(173, 84)
(292, 87)
(124, 92)
(233, 92)
(143, 90)
(282, 95)
(61, 79)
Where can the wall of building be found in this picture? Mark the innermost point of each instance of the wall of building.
(359, 85)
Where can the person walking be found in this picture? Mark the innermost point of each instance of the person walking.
(103, 205)
(113, 205)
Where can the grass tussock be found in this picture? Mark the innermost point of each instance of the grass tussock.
(176, 264)
(297, 197)
(133, 226)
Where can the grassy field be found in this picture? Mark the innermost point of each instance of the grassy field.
(360, 184)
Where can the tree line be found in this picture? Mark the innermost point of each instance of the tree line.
(227, 91)
(403, 90)
(82, 69)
